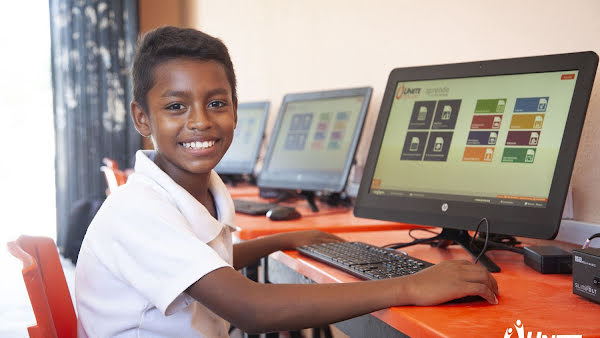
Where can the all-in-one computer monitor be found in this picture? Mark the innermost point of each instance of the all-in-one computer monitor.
(241, 157)
(313, 144)
(458, 143)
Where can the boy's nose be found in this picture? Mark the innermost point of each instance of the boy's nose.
(199, 119)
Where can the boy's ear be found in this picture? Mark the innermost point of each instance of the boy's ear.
(141, 120)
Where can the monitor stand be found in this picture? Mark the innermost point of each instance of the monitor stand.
(310, 198)
(336, 199)
(462, 237)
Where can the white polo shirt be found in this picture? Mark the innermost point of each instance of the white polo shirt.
(148, 243)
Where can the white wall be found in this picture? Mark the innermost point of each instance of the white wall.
(280, 47)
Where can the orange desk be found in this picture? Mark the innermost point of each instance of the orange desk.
(328, 219)
(243, 190)
(543, 303)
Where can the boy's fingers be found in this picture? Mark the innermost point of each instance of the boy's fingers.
(479, 274)
(494, 284)
(482, 290)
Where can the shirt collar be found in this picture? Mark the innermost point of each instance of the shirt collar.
(202, 223)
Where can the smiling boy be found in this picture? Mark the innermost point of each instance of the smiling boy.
(158, 258)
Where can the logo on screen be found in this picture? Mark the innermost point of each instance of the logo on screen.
(406, 92)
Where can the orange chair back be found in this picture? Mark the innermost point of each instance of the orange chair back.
(47, 287)
(109, 162)
(114, 178)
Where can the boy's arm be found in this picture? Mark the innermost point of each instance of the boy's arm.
(249, 252)
(255, 307)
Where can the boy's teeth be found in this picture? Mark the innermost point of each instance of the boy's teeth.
(198, 144)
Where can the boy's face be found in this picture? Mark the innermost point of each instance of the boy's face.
(191, 116)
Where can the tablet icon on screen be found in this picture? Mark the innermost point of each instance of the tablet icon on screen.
(447, 112)
(534, 138)
(439, 144)
(492, 138)
(543, 103)
(489, 154)
(496, 122)
(538, 121)
(422, 113)
(530, 156)
(414, 144)
(500, 106)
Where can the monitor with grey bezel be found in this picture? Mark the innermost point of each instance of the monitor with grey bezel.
(315, 137)
(248, 135)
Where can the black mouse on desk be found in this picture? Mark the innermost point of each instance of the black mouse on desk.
(281, 213)
(466, 299)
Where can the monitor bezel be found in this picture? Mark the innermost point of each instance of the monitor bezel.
(307, 182)
(248, 168)
(510, 220)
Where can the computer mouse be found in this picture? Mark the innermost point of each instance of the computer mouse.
(281, 213)
(466, 299)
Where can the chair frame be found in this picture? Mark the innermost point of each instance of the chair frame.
(47, 287)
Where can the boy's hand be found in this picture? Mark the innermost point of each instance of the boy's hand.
(449, 280)
(300, 238)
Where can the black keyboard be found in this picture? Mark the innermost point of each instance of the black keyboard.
(364, 260)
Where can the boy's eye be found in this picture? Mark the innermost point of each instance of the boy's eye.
(216, 104)
(175, 106)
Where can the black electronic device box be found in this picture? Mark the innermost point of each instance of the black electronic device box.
(458, 143)
(586, 273)
(547, 259)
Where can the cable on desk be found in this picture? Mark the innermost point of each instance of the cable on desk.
(487, 235)
(587, 242)
(502, 239)
(433, 243)
(421, 229)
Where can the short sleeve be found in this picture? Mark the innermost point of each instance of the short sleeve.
(152, 247)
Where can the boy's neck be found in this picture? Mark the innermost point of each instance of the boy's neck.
(195, 184)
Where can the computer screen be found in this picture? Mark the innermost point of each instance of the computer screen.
(457, 143)
(241, 156)
(315, 137)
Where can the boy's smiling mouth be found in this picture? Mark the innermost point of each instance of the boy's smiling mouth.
(198, 145)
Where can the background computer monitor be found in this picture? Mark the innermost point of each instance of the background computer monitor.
(494, 139)
(314, 141)
(241, 156)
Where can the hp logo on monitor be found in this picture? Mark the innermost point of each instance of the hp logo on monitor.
(445, 207)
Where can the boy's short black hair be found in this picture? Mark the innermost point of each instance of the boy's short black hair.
(168, 43)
